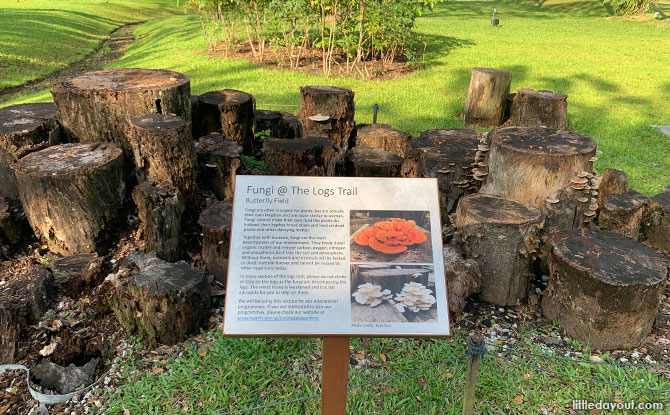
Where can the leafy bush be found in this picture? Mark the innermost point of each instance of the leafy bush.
(630, 7)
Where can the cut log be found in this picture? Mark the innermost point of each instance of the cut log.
(230, 113)
(218, 163)
(449, 156)
(163, 150)
(532, 108)
(463, 278)
(655, 225)
(215, 223)
(160, 207)
(612, 182)
(335, 106)
(77, 272)
(288, 127)
(487, 97)
(267, 120)
(502, 235)
(383, 136)
(162, 302)
(604, 287)
(356, 269)
(23, 301)
(530, 164)
(383, 313)
(311, 156)
(623, 213)
(372, 162)
(71, 194)
(95, 106)
(395, 279)
(24, 128)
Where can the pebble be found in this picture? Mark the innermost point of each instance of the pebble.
(502, 310)
(545, 278)
(2, 283)
(595, 359)
(623, 360)
(635, 355)
(112, 261)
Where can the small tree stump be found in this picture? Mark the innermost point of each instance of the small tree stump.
(218, 163)
(230, 113)
(532, 108)
(311, 156)
(463, 278)
(385, 137)
(23, 301)
(623, 213)
(163, 150)
(395, 279)
(215, 222)
(160, 207)
(487, 97)
(288, 127)
(267, 120)
(372, 162)
(162, 302)
(449, 156)
(612, 182)
(655, 225)
(604, 288)
(10, 230)
(95, 106)
(502, 236)
(337, 104)
(530, 164)
(71, 194)
(77, 272)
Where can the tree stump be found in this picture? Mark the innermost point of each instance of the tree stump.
(383, 313)
(218, 163)
(612, 182)
(95, 106)
(195, 115)
(23, 301)
(450, 156)
(163, 150)
(532, 108)
(463, 278)
(311, 156)
(623, 213)
(162, 302)
(502, 236)
(230, 113)
(77, 272)
(372, 162)
(530, 164)
(336, 105)
(288, 127)
(356, 269)
(487, 97)
(604, 287)
(215, 222)
(24, 128)
(395, 279)
(383, 136)
(160, 207)
(267, 120)
(655, 225)
(10, 230)
(71, 194)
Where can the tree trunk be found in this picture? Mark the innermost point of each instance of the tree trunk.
(71, 194)
(487, 97)
(95, 106)
(656, 223)
(218, 163)
(532, 108)
(77, 272)
(502, 235)
(337, 104)
(311, 156)
(383, 136)
(372, 162)
(163, 150)
(604, 288)
(215, 222)
(230, 113)
(623, 213)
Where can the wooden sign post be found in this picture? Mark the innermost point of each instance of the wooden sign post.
(335, 370)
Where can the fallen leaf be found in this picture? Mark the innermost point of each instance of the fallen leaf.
(359, 356)
(386, 387)
(245, 387)
(382, 357)
(617, 393)
(518, 399)
(203, 353)
(48, 350)
(157, 370)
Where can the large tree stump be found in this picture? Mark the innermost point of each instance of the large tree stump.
(451, 156)
(95, 106)
(311, 156)
(372, 162)
(160, 207)
(530, 164)
(383, 136)
(502, 236)
(230, 113)
(23, 301)
(395, 279)
(655, 225)
(162, 302)
(532, 108)
(612, 182)
(77, 272)
(335, 105)
(218, 163)
(24, 128)
(604, 288)
(163, 150)
(71, 194)
(215, 222)
(487, 97)
(623, 213)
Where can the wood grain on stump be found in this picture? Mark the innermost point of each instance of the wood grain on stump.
(529, 164)
(501, 235)
(230, 113)
(394, 279)
(372, 162)
(215, 223)
(356, 269)
(655, 225)
(335, 103)
(94, 106)
(71, 194)
(160, 207)
(487, 97)
(623, 213)
(383, 313)
(310, 156)
(218, 164)
(604, 287)
(532, 108)
(612, 182)
(463, 278)
(383, 136)
(77, 272)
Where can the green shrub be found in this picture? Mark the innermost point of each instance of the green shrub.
(630, 7)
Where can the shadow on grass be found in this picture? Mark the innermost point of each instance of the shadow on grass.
(537, 9)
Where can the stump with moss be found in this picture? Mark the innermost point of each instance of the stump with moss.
(229, 112)
(487, 97)
(218, 164)
(215, 222)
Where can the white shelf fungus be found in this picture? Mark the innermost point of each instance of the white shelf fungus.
(370, 294)
(415, 296)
